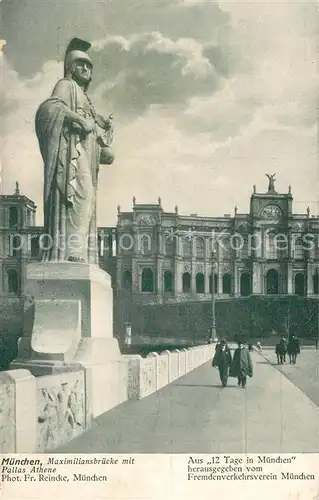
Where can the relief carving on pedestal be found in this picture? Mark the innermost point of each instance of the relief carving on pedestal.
(61, 413)
(7, 419)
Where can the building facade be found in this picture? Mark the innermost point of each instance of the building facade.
(19, 241)
(156, 256)
(164, 256)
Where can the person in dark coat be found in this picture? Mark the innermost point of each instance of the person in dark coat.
(293, 349)
(242, 366)
(222, 360)
(281, 350)
(284, 343)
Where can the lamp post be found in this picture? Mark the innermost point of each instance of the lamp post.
(213, 334)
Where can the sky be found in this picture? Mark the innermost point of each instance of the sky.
(208, 97)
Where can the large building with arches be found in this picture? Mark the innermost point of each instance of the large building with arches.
(165, 256)
(157, 256)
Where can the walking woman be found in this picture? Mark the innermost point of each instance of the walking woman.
(222, 360)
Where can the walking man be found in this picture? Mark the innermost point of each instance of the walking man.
(242, 366)
(281, 350)
(293, 349)
(222, 360)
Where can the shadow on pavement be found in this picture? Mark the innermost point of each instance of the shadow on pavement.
(203, 385)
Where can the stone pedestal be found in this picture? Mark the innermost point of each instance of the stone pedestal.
(68, 321)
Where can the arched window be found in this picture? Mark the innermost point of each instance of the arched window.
(127, 279)
(146, 244)
(271, 248)
(245, 284)
(200, 283)
(168, 281)
(272, 282)
(13, 281)
(298, 249)
(215, 283)
(186, 282)
(35, 247)
(147, 280)
(300, 284)
(316, 283)
(186, 247)
(200, 248)
(16, 245)
(227, 283)
(13, 217)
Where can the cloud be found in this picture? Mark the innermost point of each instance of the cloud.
(20, 155)
(149, 69)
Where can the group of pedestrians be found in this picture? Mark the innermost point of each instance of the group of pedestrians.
(291, 347)
(239, 366)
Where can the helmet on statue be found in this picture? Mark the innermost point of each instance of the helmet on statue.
(76, 51)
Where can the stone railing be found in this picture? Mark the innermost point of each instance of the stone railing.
(38, 414)
(147, 375)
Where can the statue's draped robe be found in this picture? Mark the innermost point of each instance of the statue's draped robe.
(71, 163)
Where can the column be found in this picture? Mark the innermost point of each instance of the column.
(193, 278)
(220, 280)
(236, 288)
(309, 278)
(136, 288)
(206, 275)
(289, 278)
(289, 244)
(219, 270)
(159, 263)
(257, 287)
(259, 243)
(159, 276)
(207, 264)
(177, 268)
(119, 271)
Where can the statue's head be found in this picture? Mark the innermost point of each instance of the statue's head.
(78, 66)
(77, 63)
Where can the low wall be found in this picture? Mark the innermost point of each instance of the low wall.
(37, 414)
(147, 375)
